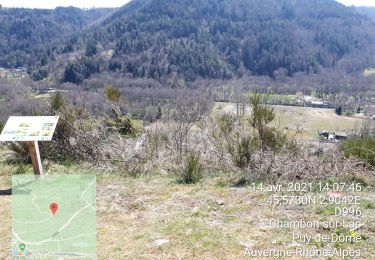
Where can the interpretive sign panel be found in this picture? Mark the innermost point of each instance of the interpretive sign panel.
(29, 128)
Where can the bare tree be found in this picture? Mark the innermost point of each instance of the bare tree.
(181, 117)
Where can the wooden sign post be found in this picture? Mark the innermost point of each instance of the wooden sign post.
(35, 157)
(30, 129)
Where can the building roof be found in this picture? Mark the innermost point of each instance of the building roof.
(341, 134)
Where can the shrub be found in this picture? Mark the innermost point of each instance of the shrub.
(76, 137)
(120, 122)
(226, 123)
(113, 94)
(193, 169)
(262, 114)
(276, 140)
(151, 114)
(73, 140)
(39, 74)
(155, 141)
(361, 148)
(241, 151)
(338, 111)
(159, 113)
(21, 153)
(57, 101)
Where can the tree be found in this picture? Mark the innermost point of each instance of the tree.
(57, 101)
(159, 113)
(39, 74)
(338, 111)
(193, 169)
(261, 115)
(91, 48)
(181, 117)
(113, 94)
(76, 72)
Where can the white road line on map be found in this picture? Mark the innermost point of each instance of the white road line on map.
(89, 204)
(32, 201)
(82, 198)
(50, 239)
(58, 243)
(69, 254)
(71, 219)
(88, 186)
(21, 233)
(30, 243)
(36, 222)
(82, 235)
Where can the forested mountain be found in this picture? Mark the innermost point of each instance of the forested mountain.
(368, 11)
(191, 39)
(29, 36)
(226, 38)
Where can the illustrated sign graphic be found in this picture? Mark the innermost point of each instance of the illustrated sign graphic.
(29, 128)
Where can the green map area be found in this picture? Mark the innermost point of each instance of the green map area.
(70, 233)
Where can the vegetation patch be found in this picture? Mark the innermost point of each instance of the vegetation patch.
(363, 148)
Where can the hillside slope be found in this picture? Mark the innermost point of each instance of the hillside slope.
(189, 39)
(28, 37)
(368, 11)
(226, 38)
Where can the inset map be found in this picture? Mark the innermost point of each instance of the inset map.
(54, 217)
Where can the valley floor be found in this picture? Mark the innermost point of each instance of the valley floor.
(307, 120)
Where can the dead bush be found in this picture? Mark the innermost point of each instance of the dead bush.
(21, 153)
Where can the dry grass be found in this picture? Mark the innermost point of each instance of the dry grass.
(208, 220)
(308, 120)
(313, 119)
(203, 221)
(155, 217)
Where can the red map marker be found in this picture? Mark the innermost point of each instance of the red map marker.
(54, 207)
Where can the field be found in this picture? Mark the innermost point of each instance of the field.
(155, 217)
(308, 120)
(278, 97)
(144, 163)
(369, 72)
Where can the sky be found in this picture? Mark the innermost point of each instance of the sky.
(358, 2)
(115, 3)
(51, 4)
